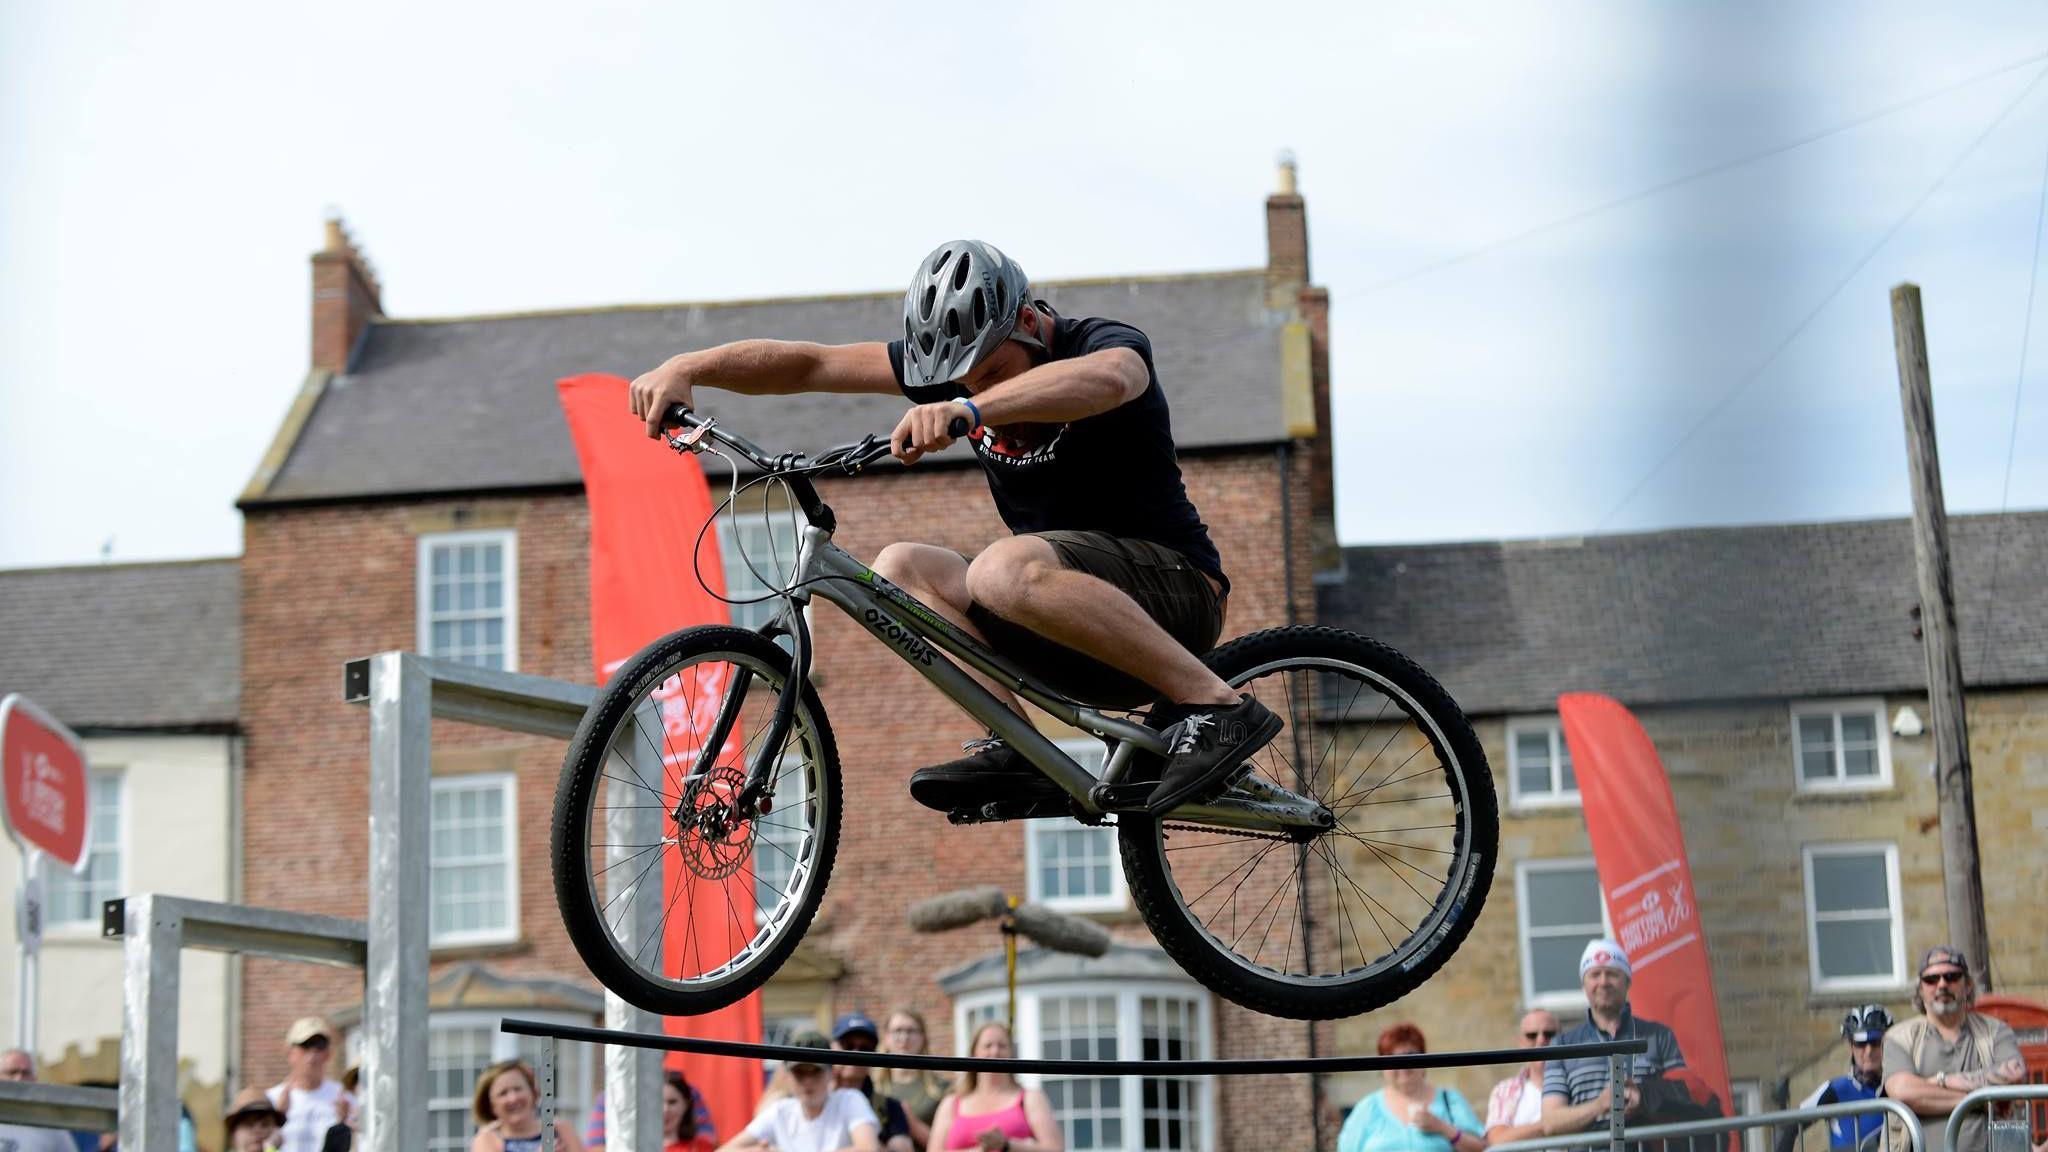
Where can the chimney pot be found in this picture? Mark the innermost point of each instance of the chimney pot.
(1287, 172)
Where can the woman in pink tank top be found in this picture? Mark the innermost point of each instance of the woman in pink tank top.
(991, 1111)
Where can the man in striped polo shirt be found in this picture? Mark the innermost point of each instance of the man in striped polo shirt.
(1575, 1090)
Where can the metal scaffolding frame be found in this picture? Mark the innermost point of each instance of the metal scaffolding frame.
(405, 694)
(57, 1106)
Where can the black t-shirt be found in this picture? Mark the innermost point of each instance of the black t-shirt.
(1113, 472)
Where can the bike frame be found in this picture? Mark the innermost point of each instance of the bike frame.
(923, 639)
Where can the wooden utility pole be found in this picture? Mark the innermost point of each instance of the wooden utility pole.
(1963, 885)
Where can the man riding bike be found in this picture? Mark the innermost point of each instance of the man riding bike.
(1108, 556)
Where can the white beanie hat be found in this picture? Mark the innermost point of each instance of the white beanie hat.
(1604, 954)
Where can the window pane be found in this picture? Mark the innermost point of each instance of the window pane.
(1855, 947)
(1816, 764)
(1850, 883)
(1567, 778)
(1532, 779)
(1859, 728)
(1816, 731)
(1554, 962)
(1859, 762)
(1559, 897)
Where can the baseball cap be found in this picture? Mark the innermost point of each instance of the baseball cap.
(811, 1038)
(854, 1022)
(307, 1027)
(1943, 954)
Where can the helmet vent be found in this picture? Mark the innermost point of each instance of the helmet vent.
(980, 310)
(925, 341)
(960, 270)
(924, 307)
(952, 326)
(940, 262)
(1002, 297)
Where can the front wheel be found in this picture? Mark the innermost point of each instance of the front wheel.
(1341, 921)
(680, 893)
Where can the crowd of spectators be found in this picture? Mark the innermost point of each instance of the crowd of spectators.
(1930, 1062)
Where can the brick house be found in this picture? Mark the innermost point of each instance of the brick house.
(1769, 665)
(433, 451)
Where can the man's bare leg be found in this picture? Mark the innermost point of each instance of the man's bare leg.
(1021, 579)
(938, 577)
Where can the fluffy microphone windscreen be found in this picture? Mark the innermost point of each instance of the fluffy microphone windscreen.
(958, 909)
(1061, 932)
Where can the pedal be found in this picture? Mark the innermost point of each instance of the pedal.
(1027, 808)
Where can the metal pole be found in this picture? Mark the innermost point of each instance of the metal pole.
(27, 986)
(152, 938)
(395, 992)
(1618, 1067)
(544, 1071)
(1962, 883)
(632, 1076)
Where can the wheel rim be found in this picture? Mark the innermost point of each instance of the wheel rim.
(696, 904)
(1375, 892)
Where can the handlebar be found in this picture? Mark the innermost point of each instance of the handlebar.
(857, 455)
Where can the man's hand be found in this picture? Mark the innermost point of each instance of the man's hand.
(654, 392)
(992, 1139)
(924, 429)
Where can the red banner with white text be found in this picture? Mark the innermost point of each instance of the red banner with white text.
(1646, 880)
(647, 505)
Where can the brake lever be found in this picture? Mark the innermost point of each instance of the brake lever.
(693, 440)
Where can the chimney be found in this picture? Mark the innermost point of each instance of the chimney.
(346, 297)
(1286, 238)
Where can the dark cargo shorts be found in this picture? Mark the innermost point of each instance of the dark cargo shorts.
(1177, 595)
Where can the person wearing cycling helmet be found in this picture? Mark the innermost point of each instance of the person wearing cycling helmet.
(1107, 557)
(1864, 1030)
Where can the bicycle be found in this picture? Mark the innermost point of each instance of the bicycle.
(721, 783)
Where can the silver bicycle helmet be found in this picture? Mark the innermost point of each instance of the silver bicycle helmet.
(960, 308)
(1866, 1024)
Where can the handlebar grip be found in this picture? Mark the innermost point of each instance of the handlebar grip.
(956, 428)
(675, 416)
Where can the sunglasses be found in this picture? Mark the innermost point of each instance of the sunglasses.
(1540, 1034)
(1933, 978)
(314, 1044)
(1867, 1043)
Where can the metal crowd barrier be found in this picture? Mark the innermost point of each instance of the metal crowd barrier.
(1984, 1098)
(58, 1106)
(1617, 1053)
(1770, 1121)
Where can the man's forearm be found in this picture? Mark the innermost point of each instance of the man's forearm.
(755, 367)
(1064, 390)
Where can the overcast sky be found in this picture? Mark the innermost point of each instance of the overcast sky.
(1716, 352)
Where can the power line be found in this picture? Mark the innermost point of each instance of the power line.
(2013, 437)
(1743, 386)
(1701, 174)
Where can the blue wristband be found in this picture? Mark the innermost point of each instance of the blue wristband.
(972, 411)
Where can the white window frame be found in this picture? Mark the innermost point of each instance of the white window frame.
(1749, 1101)
(504, 1046)
(1118, 897)
(1840, 782)
(89, 926)
(1576, 998)
(423, 585)
(1896, 979)
(1558, 796)
(1129, 1037)
(509, 786)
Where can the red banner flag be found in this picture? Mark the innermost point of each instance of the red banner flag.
(646, 507)
(1639, 850)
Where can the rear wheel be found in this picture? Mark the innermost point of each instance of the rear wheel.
(680, 895)
(1337, 922)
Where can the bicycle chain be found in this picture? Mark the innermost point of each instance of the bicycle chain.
(1281, 836)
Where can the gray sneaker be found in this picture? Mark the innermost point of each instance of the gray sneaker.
(1208, 750)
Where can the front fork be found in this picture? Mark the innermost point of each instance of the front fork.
(757, 795)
